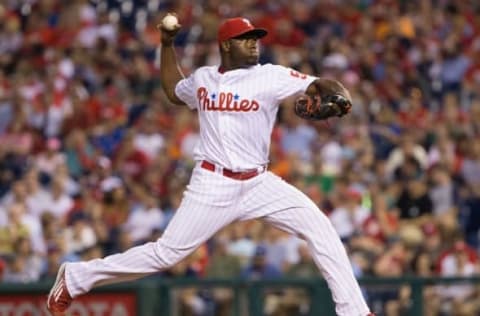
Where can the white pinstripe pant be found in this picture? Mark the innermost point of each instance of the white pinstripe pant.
(213, 201)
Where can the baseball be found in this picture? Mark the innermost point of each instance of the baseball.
(170, 21)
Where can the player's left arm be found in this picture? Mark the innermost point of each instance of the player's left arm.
(324, 98)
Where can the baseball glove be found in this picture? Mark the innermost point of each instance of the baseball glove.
(322, 107)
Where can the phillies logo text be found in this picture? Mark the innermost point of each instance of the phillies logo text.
(224, 101)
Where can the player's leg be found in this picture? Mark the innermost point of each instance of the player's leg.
(287, 208)
(205, 208)
(192, 225)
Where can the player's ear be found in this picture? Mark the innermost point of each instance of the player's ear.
(225, 46)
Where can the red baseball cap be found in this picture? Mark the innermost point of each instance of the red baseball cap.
(238, 26)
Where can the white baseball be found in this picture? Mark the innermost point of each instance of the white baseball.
(170, 21)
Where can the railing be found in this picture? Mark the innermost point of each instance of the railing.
(151, 297)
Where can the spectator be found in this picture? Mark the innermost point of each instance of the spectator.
(461, 261)
(129, 161)
(241, 243)
(13, 230)
(79, 153)
(51, 264)
(349, 217)
(79, 236)
(470, 170)
(276, 246)
(407, 149)
(442, 192)
(60, 203)
(432, 244)
(297, 137)
(115, 206)
(38, 198)
(295, 301)
(222, 265)
(51, 158)
(147, 139)
(33, 262)
(414, 202)
(259, 268)
(144, 220)
(442, 150)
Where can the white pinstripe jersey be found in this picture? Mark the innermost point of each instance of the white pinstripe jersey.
(237, 110)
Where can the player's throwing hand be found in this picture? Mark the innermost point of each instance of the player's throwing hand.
(169, 28)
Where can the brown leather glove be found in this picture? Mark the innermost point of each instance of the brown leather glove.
(321, 108)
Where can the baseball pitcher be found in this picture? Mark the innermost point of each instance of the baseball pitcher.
(237, 102)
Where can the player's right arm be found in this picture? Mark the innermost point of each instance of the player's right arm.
(170, 71)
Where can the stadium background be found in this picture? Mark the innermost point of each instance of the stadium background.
(93, 158)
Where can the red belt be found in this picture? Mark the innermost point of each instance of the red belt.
(237, 175)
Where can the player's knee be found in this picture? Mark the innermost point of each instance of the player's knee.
(169, 256)
(319, 221)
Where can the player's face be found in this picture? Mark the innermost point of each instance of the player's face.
(245, 50)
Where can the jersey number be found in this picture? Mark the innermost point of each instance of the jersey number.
(297, 74)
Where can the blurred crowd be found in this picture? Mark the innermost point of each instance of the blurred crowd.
(94, 159)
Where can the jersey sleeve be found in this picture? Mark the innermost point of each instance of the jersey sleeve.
(290, 82)
(185, 91)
